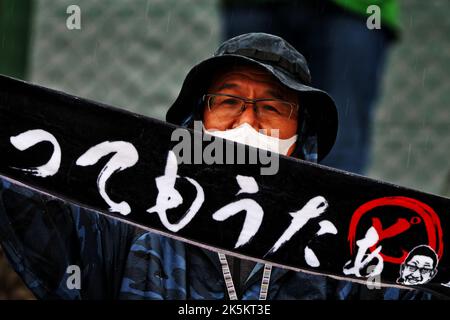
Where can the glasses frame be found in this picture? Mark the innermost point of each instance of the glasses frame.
(422, 271)
(207, 97)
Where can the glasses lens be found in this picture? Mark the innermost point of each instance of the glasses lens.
(225, 104)
(412, 268)
(425, 271)
(274, 109)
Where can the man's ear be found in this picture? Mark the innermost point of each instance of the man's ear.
(400, 279)
(433, 273)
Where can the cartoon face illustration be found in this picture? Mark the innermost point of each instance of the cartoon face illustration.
(419, 267)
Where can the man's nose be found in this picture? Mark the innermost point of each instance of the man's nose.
(248, 116)
(417, 274)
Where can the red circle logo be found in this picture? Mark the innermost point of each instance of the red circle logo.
(425, 215)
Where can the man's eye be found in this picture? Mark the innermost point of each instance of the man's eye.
(412, 268)
(230, 102)
(270, 108)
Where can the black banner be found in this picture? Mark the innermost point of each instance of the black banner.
(186, 185)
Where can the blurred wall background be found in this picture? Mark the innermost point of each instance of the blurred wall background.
(412, 126)
(135, 53)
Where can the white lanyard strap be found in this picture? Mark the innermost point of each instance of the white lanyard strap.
(265, 282)
(227, 276)
(229, 280)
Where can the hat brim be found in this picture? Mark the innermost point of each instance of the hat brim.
(319, 104)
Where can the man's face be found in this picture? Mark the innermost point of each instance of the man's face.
(251, 82)
(420, 269)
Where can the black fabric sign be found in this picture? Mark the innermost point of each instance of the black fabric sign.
(306, 217)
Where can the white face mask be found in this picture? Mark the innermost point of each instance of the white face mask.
(246, 134)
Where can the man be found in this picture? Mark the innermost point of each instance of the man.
(249, 95)
(255, 80)
(419, 267)
(261, 62)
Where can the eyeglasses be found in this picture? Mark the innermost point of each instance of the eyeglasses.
(423, 271)
(228, 105)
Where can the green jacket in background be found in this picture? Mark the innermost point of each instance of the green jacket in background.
(389, 10)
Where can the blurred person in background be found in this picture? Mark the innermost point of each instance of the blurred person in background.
(346, 58)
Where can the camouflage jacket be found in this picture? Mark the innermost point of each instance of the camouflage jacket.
(43, 236)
